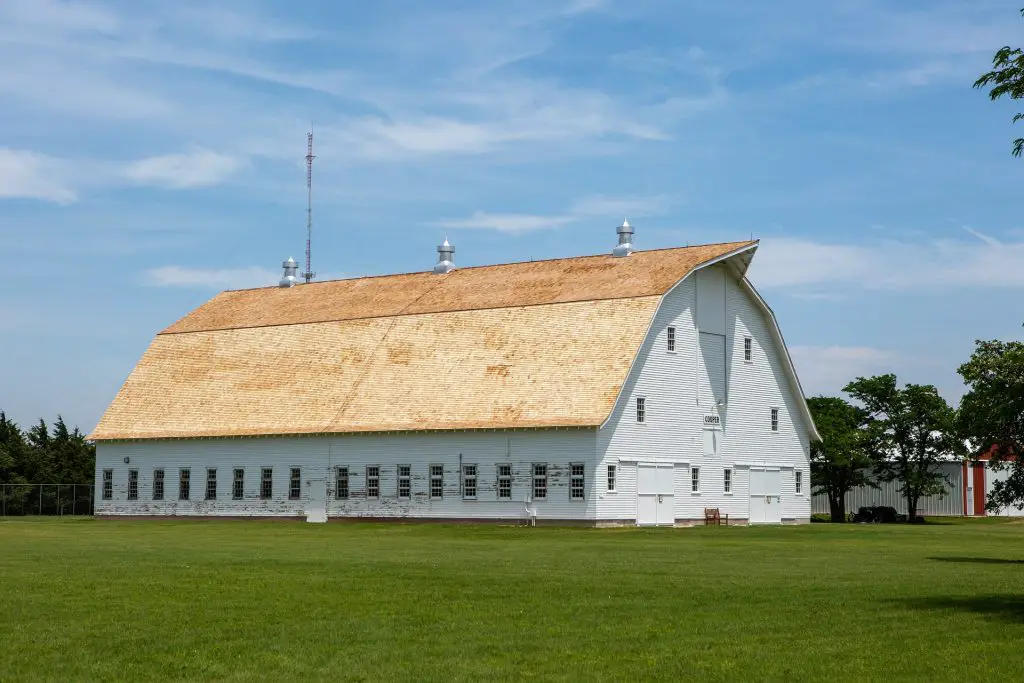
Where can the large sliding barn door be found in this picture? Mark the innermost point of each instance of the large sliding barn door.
(765, 495)
(655, 505)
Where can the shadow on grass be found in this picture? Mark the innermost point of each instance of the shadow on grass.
(976, 560)
(1008, 608)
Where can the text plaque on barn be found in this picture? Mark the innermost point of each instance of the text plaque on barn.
(712, 420)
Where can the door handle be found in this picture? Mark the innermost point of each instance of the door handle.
(660, 499)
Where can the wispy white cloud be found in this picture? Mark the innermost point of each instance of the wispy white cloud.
(25, 174)
(582, 209)
(513, 223)
(211, 278)
(198, 168)
(934, 265)
(827, 369)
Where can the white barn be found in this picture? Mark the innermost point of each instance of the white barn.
(634, 388)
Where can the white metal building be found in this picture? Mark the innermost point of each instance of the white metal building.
(633, 388)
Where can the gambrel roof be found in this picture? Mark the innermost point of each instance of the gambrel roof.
(520, 345)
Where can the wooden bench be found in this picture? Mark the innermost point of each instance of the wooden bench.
(713, 516)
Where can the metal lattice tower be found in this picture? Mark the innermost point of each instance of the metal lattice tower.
(309, 274)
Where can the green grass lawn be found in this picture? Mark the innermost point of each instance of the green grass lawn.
(158, 600)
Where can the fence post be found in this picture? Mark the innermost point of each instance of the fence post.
(74, 498)
(60, 513)
(92, 507)
(40, 500)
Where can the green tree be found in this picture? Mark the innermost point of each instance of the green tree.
(910, 431)
(991, 414)
(1006, 78)
(840, 460)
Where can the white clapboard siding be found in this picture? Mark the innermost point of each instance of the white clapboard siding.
(674, 426)
(318, 458)
(711, 375)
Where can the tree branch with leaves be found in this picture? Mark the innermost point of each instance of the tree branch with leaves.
(1007, 79)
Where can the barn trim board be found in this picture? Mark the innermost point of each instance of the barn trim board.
(492, 393)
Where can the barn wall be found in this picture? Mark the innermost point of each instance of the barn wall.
(675, 408)
(319, 456)
(991, 477)
(887, 493)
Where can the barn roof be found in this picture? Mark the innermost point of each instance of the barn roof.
(520, 345)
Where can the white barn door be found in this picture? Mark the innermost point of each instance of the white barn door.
(765, 495)
(655, 505)
(316, 500)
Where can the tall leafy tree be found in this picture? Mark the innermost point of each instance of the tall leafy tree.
(991, 414)
(910, 431)
(1006, 79)
(840, 460)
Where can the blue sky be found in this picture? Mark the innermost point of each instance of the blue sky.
(151, 154)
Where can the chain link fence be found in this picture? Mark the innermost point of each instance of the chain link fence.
(19, 500)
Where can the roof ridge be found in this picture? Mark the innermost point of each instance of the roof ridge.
(493, 265)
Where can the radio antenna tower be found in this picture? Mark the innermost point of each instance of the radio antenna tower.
(309, 274)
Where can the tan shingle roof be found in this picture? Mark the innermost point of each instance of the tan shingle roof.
(539, 344)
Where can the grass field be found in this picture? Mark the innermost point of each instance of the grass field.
(160, 600)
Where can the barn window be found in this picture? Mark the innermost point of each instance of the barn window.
(267, 483)
(775, 419)
(211, 484)
(727, 481)
(540, 482)
(341, 490)
(158, 484)
(184, 484)
(799, 482)
(576, 487)
(133, 485)
(641, 409)
(505, 481)
(437, 481)
(670, 337)
(469, 481)
(748, 348)
(108, 484)
(695, 479)
(373, 481)
(611, 478)
(404, 481)
(295, 484)
(238, 484)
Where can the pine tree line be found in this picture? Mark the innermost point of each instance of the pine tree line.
(44, 455)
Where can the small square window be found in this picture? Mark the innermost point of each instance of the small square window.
(133, 484)
(184, 484)
(799, 483)
(505, 481)
(577, 487)
(238, 484)
(108, 484)
(437, 481)
(540, 482)
(748, 348)
(611, 477)
(670, 338)
(641, 410)
(695, 480)
(405, 481)
(373, 481)
(775, 419)
(267, 483)
(158, 484)
(469, 481)
(341, 484)
(211, 484)
(295, 484)
(727, 481)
